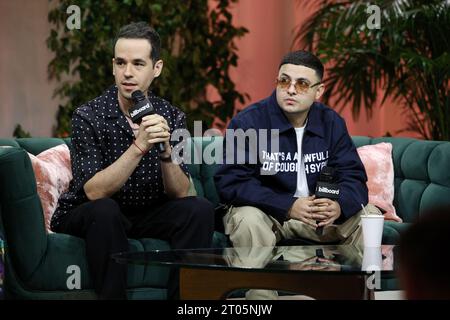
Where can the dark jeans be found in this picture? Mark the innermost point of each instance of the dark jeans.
(184, 223)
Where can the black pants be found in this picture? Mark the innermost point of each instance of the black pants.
(184, 223)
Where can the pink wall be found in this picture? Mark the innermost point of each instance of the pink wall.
(271, 25)
(27, 93)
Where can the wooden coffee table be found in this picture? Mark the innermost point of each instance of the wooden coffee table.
(321, 272)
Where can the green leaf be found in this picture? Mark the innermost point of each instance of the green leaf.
(203, 39)
(408, 56)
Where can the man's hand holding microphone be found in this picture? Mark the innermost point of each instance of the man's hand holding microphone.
(153, 128)
(315, 212)
(320, 209)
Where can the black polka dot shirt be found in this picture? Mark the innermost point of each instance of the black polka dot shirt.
(100, 135)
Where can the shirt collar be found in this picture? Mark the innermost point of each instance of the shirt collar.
(315, 122)
(113, 113)
(111, 104)
(277, 117)
(279, 120)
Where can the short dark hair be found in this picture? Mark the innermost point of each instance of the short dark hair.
(304, 58)
(141, 30)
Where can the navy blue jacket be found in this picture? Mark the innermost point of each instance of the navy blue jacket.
(325, 142)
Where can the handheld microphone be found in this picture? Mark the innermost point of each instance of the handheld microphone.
(326, 188)
(142, 107)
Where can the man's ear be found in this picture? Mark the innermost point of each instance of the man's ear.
(320, 91)
(158, 68)
(114, 72)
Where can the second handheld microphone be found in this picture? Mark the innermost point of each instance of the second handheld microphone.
(326, 188)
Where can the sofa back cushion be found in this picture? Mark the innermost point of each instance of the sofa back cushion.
(422, 178)
(53, 173)
(38, 145)
(202, 157)
(377, 160)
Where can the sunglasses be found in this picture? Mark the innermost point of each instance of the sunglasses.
(300, 85)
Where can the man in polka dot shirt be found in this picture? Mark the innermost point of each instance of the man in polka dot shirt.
(122, 186)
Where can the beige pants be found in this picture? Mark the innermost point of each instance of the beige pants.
(250, 227)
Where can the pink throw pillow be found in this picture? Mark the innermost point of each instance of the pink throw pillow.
(53, 172)
(377, 160)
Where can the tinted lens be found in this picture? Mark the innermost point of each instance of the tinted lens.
(301, 85)
(284, 83)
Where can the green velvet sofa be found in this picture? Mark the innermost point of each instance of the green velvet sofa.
(36, 262)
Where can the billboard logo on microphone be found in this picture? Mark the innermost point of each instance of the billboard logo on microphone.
(327, 190)
(137, 111)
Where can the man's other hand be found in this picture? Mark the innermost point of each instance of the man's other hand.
(326, 211)
(302, 210)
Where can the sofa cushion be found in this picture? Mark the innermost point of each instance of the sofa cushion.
(155, 275)
(212, 156)
(21, 211)
(415, 160)
(38, 145)
(64, 251)
(423, 182)
(201, 158)
(192, 153)
(438, 159)
(220, 240)
(390, 234)
(52, 170)
(398, 227)
(379, 167)
(420, 178)
(9, 142)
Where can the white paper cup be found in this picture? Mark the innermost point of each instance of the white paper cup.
(372, 228)
(372, 259)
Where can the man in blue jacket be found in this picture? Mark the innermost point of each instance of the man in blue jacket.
(271, 190)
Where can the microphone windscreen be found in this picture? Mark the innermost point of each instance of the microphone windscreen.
(137, 96)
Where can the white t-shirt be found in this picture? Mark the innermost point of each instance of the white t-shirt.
(302, 183)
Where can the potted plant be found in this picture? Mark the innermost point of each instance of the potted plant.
(407, 55)
(197, 48)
